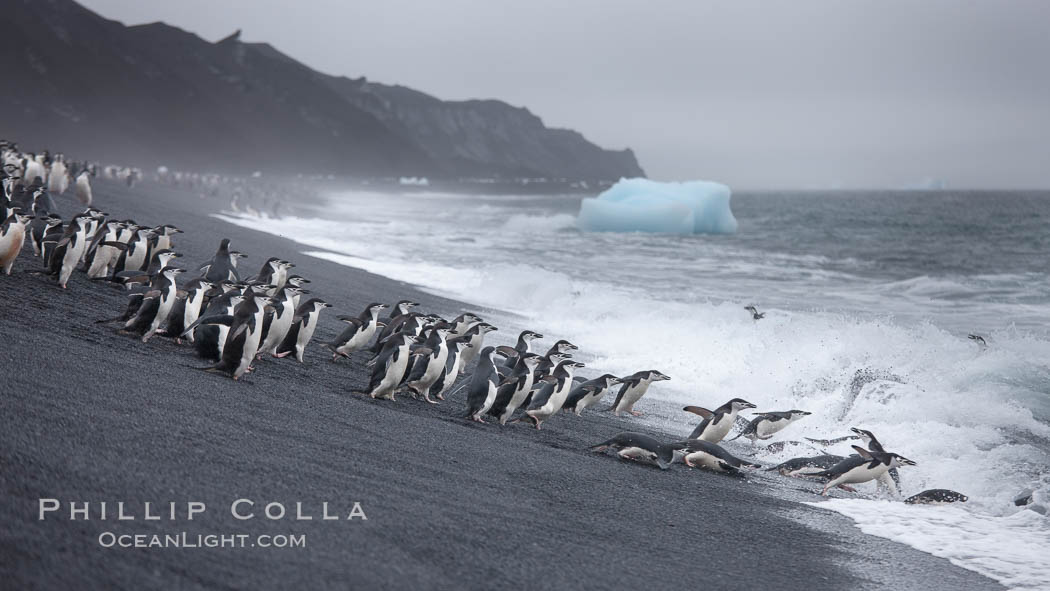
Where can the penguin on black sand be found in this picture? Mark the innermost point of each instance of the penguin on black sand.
(222, 266)
(242, 341)
(428, 361)
(69, 249)
(639, 447)
(278, 319)
(452, 364)
(12, 238)
(389, 367)
(483, 386)
(634, 387)
(157, 303)
(398, 315)
(515, 387)
(711, 456)
(549, 398)
(187, 308)
(590, 393)
(359, 334)
(302, 330)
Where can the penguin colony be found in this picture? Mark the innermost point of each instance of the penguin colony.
(234, 320)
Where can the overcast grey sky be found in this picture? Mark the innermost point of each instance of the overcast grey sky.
(754, 94)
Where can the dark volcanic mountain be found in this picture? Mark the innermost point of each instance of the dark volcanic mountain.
(154, 94)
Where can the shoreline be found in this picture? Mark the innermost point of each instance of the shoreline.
(103, 417)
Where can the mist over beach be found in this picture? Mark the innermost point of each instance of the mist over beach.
(402, 304)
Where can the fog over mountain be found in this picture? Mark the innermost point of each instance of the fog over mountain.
(805, 93)
(155, 94)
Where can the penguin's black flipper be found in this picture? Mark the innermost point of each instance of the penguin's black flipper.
(699, 410)
(205, 321)
(288, 344)
(508, 352)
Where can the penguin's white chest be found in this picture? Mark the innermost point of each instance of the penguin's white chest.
(863, 473)
(361, 337)
(397, 367)
(11, 243)
(702, 459)
(490, 397)
(589, 400)
(766, 429)
(307, 331)
(637, 453)
(632, 395)
(557, 399)
(435, 366)
(717, 429)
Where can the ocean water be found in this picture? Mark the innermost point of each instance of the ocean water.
(868, 296)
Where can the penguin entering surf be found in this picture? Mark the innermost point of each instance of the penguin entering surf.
(936, 496)
(710, 456)
(808, 466)
(766, 424)
(755, 314)
(717, 424)
(633, 388)
(979, 341)
(639, 447)
(866, 466)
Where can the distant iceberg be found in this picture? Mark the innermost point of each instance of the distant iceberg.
(642, 205)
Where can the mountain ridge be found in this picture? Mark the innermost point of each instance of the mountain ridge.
(153, 94)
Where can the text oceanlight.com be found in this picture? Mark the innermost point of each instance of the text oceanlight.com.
(187, 540)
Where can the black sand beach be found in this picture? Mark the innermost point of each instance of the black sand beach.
(91, 415)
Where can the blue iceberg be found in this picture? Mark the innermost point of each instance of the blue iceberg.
(642, 205)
